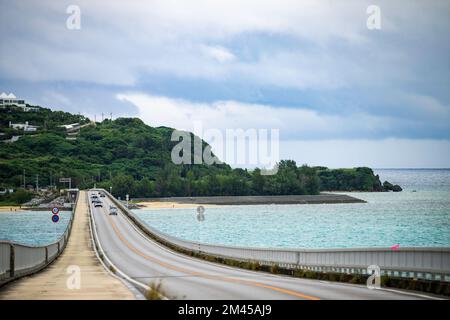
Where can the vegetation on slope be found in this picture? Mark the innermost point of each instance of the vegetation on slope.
(134, 159)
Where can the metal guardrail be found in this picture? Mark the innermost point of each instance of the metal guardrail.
(18, 260)
(415, 262)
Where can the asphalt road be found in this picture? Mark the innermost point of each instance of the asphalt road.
(183, 277)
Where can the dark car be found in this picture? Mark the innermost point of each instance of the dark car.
(98, 204)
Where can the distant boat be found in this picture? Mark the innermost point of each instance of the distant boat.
(414, 191)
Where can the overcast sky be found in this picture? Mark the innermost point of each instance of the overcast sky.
(340, 94)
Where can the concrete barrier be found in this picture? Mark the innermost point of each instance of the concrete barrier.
(415, 262)
(18, 260)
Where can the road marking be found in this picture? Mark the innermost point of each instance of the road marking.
(206, 276)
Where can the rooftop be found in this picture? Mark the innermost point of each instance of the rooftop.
(7, 96)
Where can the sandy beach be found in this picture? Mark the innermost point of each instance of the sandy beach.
(9, 208)
(171, 205)
(215, 201)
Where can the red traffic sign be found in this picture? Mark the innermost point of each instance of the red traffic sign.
(55, 210)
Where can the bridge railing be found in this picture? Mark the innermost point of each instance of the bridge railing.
(415, 262)
(18, 260)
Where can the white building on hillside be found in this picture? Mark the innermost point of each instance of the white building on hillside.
(71, 127)
(11, 100)
(24, 126)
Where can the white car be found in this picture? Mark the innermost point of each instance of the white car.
(113, 210)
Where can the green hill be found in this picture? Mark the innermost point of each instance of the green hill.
(134, 158)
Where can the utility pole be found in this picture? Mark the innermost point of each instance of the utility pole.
(37, 183)
(102, 116)
(111, 115)
(24, 178)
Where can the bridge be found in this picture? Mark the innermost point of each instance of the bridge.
(138, 258)
(43, 272)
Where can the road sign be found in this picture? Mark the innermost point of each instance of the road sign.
(66, 180)
(55, 218)
(55, 210)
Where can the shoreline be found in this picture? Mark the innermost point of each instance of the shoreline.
(10, 208)
(171, 205)
(218, 201)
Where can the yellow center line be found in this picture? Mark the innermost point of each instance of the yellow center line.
(202, 275)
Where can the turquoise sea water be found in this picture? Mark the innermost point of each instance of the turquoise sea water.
(408, 218)
(32, 227)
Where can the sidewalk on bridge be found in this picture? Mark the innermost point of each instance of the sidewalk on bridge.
(51, 283)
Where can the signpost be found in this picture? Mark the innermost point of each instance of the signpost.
(55, 218)
(66, 180)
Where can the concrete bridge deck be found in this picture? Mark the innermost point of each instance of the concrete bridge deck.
(51, 283)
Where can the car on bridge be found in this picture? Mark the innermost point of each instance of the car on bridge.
(98, 204)
(113, 210)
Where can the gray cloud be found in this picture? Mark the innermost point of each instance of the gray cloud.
(389, 83)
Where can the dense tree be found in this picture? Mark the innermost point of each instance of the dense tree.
(123, 185)
(135, 159)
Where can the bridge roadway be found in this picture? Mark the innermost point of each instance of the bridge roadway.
(51, 283)
(182, 277)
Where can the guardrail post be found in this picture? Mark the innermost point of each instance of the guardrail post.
(59, 249)
(11, 261)
(46, 255)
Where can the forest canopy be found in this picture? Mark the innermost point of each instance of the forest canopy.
(134, 158)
